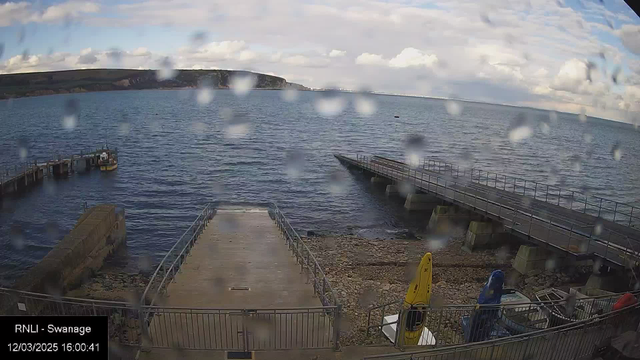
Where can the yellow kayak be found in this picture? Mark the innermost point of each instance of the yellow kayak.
(417, 300)
(109, 167)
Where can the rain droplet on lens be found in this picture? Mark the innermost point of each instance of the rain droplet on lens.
(519, 129)
(23, 148)
(365, 105)
(242, 83)
(576, 162)
(435, 243)
(237, 125)
(1, 49)
(406, 188)
(25, 55)
(545, 128)
(124, 128)
(21, 34)
(583, 115)
(52, 229)
(329, 103)
(166, 71)
(145, 264)
(198, 37)
(553, 117)
(367, 298)
(587, 138)
(454, 108)
(410, 271)
(414, 148)
(616, 152)
(597, 228)
(337, 182)
(70, 117)
(502, 254)
(289, 95)
(198, 128)
(615, 74)
(17, 237)
(550, 264)
(204, 93)
(114, 54)
(294, 163)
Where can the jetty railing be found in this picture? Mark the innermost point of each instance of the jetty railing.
(568, 235)
(446, 324)
(615, 211)
(571, 341)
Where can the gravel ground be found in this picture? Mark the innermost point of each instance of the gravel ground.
(365, 272)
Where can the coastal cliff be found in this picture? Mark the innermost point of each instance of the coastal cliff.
(76, 81)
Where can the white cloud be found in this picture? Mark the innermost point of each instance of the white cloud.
(337, 53)
(141, 51)
(411, 57)
(370, 59)
(247, 55)
(25, 12)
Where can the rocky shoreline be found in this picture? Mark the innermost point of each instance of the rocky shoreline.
(112, 286)
(367, 272)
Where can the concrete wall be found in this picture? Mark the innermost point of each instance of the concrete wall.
(98, 232)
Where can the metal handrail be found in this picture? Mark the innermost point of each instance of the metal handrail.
(495, 178)
(460, 348)
(405, 173)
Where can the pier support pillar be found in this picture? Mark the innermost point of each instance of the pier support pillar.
(444, 218)
(391, 190)
(530, 258)
(421, 202)
(483, 234)
(380, 180)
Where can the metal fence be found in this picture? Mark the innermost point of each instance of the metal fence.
(576, 340)
(459, 324)
(561, 232)
(615, 211)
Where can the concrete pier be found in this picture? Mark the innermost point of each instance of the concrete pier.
(482, 234)
(421, 202)
(530, 258)
(391, 190)
(240, 262)
(379, 180)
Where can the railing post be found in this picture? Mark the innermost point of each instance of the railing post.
(336, 327)
(600, 207)
(630, 216)
(524, 192)
(546, 195)
(615, 210)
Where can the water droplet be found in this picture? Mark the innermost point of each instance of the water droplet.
(294, 163)
(204, 93)
(576, 162)
(502, 254)
(337, 182)
(219, 284)
(115, 55)
(435, 243)
(145, 263)
(454, 108)
(550, 264)
(545, 128)
(519, 129)
(597, 229)
(583, 115)
(466, 160)
(414, 147)
(553, 117)
(17, 237)
(329, 103)
(587, 138)
(21, 34)
(237, 125)
(616, 152)
(243, 83)
(227, 224)
(289, 95)
(53, 230)
(410, 271)
(405, 188)
(198, 38)
(166, 71)
(367, 298)
(365, 105)
(70, 117)
(1, 49)
(23, 148)
(198, 128)
(124, 128)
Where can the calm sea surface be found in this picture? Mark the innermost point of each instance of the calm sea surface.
(176, 155)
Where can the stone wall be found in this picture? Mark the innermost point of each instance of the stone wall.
(98, 232)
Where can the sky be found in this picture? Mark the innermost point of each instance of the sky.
(579, 56)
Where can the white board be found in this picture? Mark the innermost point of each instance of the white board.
(389, 330)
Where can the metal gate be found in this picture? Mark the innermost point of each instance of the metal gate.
(242, 329)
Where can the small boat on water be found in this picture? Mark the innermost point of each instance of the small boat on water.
(519, 319)
(108, 161)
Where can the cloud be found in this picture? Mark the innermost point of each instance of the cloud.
(411, 57)
(630, 36)
(25, 12)
(370, 59)
(337, 53)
